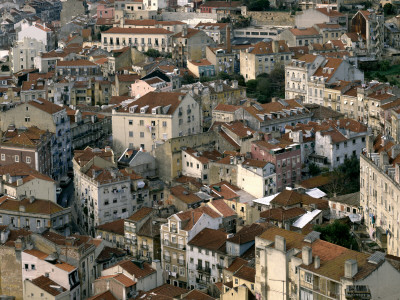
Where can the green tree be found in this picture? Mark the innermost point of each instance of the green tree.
(5, 68)
(153, 53)
(258, 5)
(388, 9)
(314, 169)
(188, 79)
(337, 233)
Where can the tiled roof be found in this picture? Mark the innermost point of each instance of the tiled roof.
(328, 69)
(328, 25)
(119, 30)
(203, 156)
(155, 99)
(121, 278)
(75, 63)
(84, 156)
(48, 285)
(128, 77)
(316, 181)
(248, 233)
(136, 271)
(190, 33)
(168, 290)
(246, 273)
(280, 214)
(219, 4)
(330, 12)
(226, 107)
(107, 295)
(46, 106)
(37, 253)
(116, 227)
(260, 110)
(287, 198)
(226, 191)
(140, 214)
(262, 48)
(193, 215)
(108, 253)
(149, 229)
(203, 26)
(336, 135)
(304, 31)
(255, 163)
(210, 239)
(223, 208)
(23, 170)
(201, 62)
(37, 207)
(184, 195)
(236, 264)
(239, 128)
(196, 294)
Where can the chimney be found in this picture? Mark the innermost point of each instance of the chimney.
(307, 255)
(275, 46)
(280, 243)
(287, 226)
(18, 244)
(193, 218)
(228, 39)
(317, 262)
(274, 99)
(350, 268)
(69, 241)
(184, 31)
(32, 199)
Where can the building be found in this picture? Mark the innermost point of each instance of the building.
(263, 58)
(370, 25)
(217, 31)
(379, 179)
(175, 235)
(159, 117)
(36, 264)
(140, 161)
(44, 287)
(23, 53)
(103, 193)
(302, 36)
(30, 145)
(40, 32)
(143, 38)
(313, 16)
(201, 68)
(197, 164)
(311, 267)
(79, 68)
(345, 206)
(120, 285)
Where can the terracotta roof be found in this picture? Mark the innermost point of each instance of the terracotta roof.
(116, 227)
(304, 31)
(46, 106)
(46, 284)
(287, 198)
(108, 253)
(65, 266)
(329, 68)
(226, 191)
(128, 77)
(82, 157)
(246, 273)
(262, 48)
(197, 295)
(280, 214)
(353, 36)
(203, 156)
(223, 208)
(107, 295)
(37, 253)
(219, 4)
(134, 270)
(201, 62)
(155, 99)
(220, 26)
(316, 181)
(255, 163)
(193, 215)
(239, 128)
(330, 12)
(328, 25)
(260, 110)
(137, 31)
(190, 33)
(210, 239)
(121, 278)
(184, 195)
(37, 207)
(75, 63)
(140, 214)
(248, 233)
(236, 264)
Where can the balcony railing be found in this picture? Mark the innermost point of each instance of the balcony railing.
(166, 243)
(167, 258)
(181, 262)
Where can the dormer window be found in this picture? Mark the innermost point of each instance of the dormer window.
(144, 109)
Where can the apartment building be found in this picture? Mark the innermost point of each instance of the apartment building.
(217, 31)
(263, 58)
(159, 117)
(273, 116)
(307, 76)
(142, 38)
(103, 193)
(174, 26)
(301, 36)
(206, 258)
(370, 25)
(330, 31)
(285, 158)
(79, 68)
(313, 16)
(379, 192)
(175, 235)
(46, 116)
(197, 163)
(36, 263)
(23, 53)
(312, 268)
(40, 32)
(223, 59)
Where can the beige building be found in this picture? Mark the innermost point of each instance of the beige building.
(45, 288)
(311, 268)
(142, 38)
(153, 119)
(263, 58)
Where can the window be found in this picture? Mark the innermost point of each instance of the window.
(308, 278)
(236, 281)
(130, 133)
(38, 223)
(164, 124)
(27, 119)
(141, 123)
(28, 160)
(3, 157)
(16, 158)
(130, 122)
(142, 134)
(33, 267)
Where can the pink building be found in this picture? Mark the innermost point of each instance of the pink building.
(105, 11)
(144, 86)
(286, 156)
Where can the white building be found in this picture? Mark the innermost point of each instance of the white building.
(36, 263)
(39, 32)
(22, 55)
(197, 163)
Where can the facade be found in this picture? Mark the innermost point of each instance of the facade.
(160, 116)
(39, 32)
(46, 116)
(263, 58)
(175, 235)
(301, 36)
(313, 16)
(79, 68)
(217, 31)
(23, 53)
(142, 38)
(201, 68)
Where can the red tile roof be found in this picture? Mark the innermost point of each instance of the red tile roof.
(136, 271)
(48, 285)
(140, 214)
(116, 227)
(304, 31)
(119, 30)
(330, 12)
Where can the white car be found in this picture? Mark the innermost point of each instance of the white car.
(58, 191)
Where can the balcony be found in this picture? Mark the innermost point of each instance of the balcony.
(181, 262)
(166, 243)
(144, 247)
(167, 258)
(298, 79)
(174, 229)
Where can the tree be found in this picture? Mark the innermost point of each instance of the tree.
(153, 53)
(5, 68)
(257, 5)
(314, 169)
(388, 9)
(345, 179)
(337, 233)
(187, 79)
